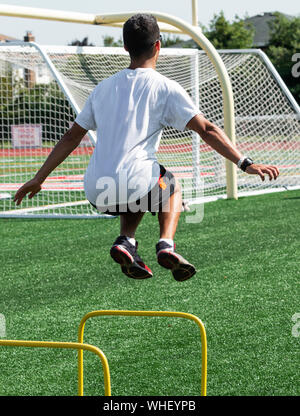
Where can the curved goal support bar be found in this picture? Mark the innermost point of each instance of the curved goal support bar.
(143, 313)
(67, 345)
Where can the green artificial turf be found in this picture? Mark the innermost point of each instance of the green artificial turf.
(245, 291)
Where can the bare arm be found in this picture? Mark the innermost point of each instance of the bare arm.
(60, 152)
(217, 139)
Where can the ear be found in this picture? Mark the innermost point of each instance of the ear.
(125, 47)
(157, 45)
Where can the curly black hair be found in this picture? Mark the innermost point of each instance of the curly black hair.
(140, 33)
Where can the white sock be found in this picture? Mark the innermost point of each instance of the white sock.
(131, 240)
(168, 241)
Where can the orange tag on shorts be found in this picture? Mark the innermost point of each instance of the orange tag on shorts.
(162, 185)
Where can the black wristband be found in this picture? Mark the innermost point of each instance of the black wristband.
(246, 162)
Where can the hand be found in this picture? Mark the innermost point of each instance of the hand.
(261, 170)
(33, 186)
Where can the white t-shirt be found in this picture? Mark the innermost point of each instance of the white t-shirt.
(129, 111)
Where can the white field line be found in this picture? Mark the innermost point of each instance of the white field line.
(45, 207)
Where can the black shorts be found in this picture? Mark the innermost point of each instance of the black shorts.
(155, 201)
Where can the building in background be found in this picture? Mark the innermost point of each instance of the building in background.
(34, 73)
(29, 74)
(4, 38)
(261, 23)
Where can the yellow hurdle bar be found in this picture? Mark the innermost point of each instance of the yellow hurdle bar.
(67, 345)
(143, 313)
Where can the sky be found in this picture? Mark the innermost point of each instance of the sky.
(57, 33)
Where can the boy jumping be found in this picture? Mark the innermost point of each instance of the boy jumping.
(129, 110)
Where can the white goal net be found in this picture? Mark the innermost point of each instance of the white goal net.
(42, 90)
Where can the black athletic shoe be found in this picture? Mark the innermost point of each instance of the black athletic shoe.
(125, 253)
(167, 258)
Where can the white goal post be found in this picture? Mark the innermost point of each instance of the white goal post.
(43, 88)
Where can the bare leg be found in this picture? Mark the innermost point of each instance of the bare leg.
(168, 220)
(166, 256)
(125, 253)
(129, 223)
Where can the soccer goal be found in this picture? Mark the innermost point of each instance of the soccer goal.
(43, 88)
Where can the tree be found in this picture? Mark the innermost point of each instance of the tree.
(38, 105)
(110, 41)
(168, 40)
(284, 43)
(10, 88)
(226, 35)
(83, 42)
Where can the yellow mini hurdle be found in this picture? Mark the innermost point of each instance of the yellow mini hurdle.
(143, 313)
(80, 346)
(68, 345)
